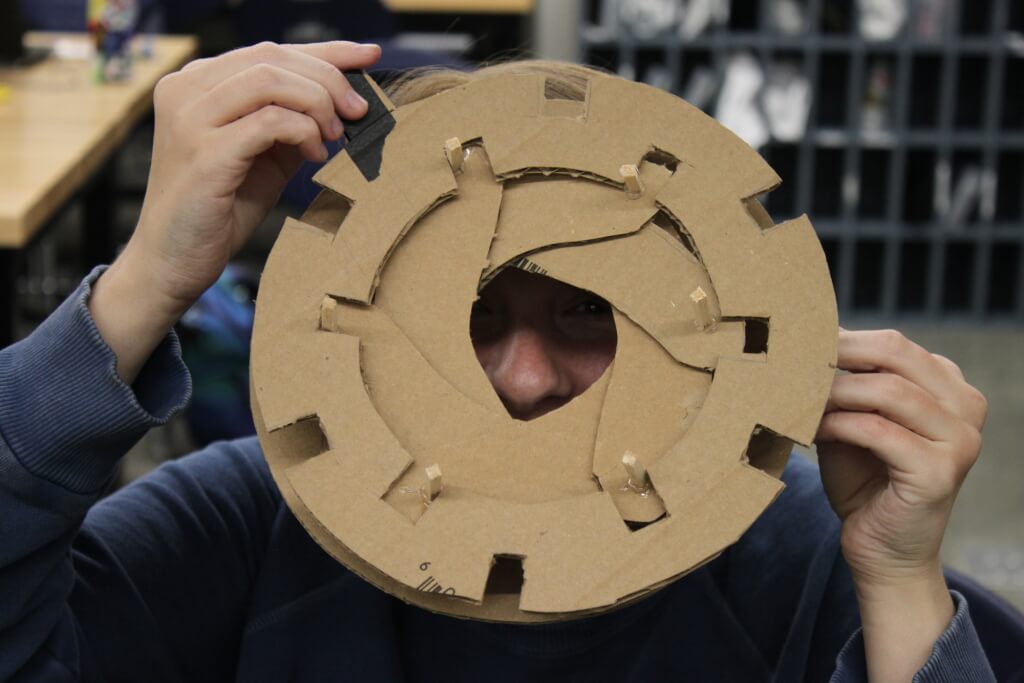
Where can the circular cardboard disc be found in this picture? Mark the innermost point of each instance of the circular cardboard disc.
(364, 376)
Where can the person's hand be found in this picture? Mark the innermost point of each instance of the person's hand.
(899, 435)
(230, 133)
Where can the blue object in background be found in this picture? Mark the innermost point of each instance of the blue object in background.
(215, 336)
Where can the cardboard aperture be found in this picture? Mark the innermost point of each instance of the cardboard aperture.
(364, 376)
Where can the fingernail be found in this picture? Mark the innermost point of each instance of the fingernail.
(323, 152)
(354, 100)
(337, 128)
(369, 47)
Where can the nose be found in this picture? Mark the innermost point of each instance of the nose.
(527, 375)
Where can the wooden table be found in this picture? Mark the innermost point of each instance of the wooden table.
(57, 128)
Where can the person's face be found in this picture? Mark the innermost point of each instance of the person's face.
(541, 342)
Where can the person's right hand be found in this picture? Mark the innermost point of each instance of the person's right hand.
(230, 133)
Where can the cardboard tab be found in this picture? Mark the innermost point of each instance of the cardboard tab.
(435, 482)
(453, 151)
(631, 179)
(703, 318)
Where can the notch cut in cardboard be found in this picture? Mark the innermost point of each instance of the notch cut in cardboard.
(363, 374)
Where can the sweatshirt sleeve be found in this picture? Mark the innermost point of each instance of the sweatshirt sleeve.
(65, 421)
(957, 656)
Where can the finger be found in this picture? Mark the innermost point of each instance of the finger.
(951, 367)
(891, 443)
(342, 54)
(896, 398)
(265, 84)
(258, 195)
(890, 351)
(320, 62)
(258, 132)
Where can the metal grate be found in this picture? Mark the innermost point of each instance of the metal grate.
(921, 216)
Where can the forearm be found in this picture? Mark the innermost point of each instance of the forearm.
(131, 314)
(65, 420)
(902, 620)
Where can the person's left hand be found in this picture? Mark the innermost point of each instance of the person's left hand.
(900, 432)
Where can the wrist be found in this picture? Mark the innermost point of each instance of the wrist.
(131, 311)
(920, 593)
(902, 617)
(911, 595)
(153, 286)
(875, 581)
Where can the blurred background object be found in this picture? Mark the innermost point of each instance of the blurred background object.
(112, 24)
(215, 336)
(895, 124)
(881, 19)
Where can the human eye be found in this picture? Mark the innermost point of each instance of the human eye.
(484, 321)
(481, 309)
(586, 318)
(590, 306)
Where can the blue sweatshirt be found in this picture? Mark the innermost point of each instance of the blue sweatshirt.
(199, 572)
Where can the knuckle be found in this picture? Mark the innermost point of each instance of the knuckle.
(893, 341)
(972, 442)
(977, 441)
(162, 91)
(272, 116)
(196, 64)
(266, 50)
(874, 426)
(978, 403)
(949, 474)
(263, 76)
(310, 128)
(328, 73)
(960, 455)
(324, 100)
(894, 390)
(949, 364)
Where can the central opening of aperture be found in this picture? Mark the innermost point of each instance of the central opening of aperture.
(541, 342)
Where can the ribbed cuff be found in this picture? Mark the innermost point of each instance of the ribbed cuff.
(957, 656)
(65, 413)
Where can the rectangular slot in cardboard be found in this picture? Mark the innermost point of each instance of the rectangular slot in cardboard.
(327, 212)
(767, 451)
(755, 332)
(506, 577)
(662, 158)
